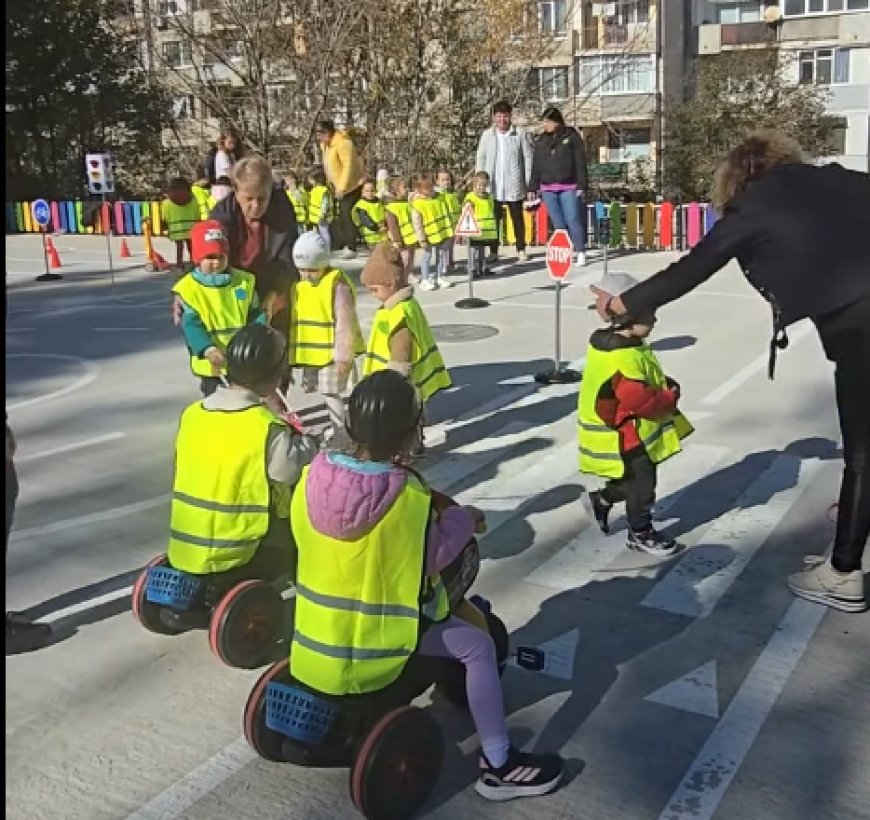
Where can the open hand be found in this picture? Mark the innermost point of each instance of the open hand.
(603, 299)
(217, 359)
(177, 310)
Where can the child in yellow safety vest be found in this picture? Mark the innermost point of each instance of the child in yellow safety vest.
(484, 215)
(179, 212)
(431, 221)
(321, 204)
(202, 194)
(400, 229)
(217, 301)
(628, 422)
(372, 547)
(298, 197)
(401, 338)
(369, 215)
(445, 185)
(325, 337)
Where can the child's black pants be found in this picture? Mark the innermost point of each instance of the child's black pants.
(637, 488)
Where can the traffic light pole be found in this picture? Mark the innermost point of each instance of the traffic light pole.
(107, 228)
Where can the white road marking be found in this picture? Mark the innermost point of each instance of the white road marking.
(591, 552)
(91, 518)
(90, 603)
(708, 778)
(121, 329)
(19, 329)
(730, 385)
(90, 375)
(695, 692)
(705, 573)
(67, 448)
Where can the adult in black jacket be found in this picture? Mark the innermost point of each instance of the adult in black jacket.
(559, 175)
(800, 234)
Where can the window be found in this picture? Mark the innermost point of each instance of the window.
(797, 7)
(553, 17)
(551, 84)
(633, 74)
(183, 107)
(837, 139)
(176, 54)
(624, 12)
(628, 144)
(167, 9)
(738, 12)
(824, 66)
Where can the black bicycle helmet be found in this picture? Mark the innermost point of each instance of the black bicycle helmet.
(382, 412)
(256, 354)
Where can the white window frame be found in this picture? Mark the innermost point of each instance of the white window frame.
(814, 55)
(554, 75)
(826, 7)
(185, 55)
(184, 107)
(743, 9)
(610, 77)
(548, 10)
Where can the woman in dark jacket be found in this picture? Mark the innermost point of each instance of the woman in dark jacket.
(800, 235)
(559, 175)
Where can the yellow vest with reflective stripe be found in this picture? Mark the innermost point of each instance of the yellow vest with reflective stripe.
(436, 219)
(299, 201)
(359, 602)
(179, 219)
(223, 310)
(454, 209)
(375, 211)
(428, 371)
(220, 498)
(598, 442)
(484, 213)
(312, 321)
(402, 211)
(202, 197)
(316, 198)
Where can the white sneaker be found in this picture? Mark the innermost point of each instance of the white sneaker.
(346, 253)
(427, 284)
(522, 256)
(822, 584)
(443, 283)
(581, 260)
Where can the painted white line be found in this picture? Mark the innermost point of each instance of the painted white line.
(91, 603)
(92, 518)
(67, 448)
(592, 552)
(19, 329)
(708, 778)
(90, 374)
(196, 784)
(730, 385)
(705, 573)
(121, 329)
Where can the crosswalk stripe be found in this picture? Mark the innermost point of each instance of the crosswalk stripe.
(591, 551)
(697, 582)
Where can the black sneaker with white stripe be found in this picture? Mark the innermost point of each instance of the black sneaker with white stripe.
(652, 543)
(523, 775)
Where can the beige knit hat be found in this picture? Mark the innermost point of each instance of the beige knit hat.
(385, 267)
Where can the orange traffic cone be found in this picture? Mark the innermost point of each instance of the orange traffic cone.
(158, 263)
(125, 250)
(53, 256)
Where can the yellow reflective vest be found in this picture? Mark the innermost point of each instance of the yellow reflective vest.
(179, 219)
(428, 371)
(359, 603)
(312, 320)
(436, 219)
(402, 211)
(223, 310)
(203, 199)
(375, 211)
(454, 208)
(299, 201)
(484, 214)
(320, 207)
(220, 497)
(599, 442)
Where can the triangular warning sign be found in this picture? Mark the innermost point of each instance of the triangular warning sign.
(467, 225)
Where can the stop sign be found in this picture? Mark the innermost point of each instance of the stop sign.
(560, 255)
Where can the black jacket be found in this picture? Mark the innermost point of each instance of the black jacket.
(274, 266)
(559, 158)
(800, 234)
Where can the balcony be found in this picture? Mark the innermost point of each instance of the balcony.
(714, 38)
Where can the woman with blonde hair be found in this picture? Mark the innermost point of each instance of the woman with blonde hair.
(799, 232)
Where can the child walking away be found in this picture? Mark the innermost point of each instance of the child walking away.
(202, 195)
(369, 215)
(371, 550)
(324, 329)
(445, 186)
(400, 229)
(433, 229)
(321, 207)
(484, 214)
(217, 301)
(179, 212)
(628, 422)
(298, 197)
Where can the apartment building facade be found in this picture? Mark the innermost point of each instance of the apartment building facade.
(825, 42)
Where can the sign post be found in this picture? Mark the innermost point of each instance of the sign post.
(560, 257)
(41, 213)
(469, 228)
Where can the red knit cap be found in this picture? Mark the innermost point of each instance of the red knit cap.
(208, 239)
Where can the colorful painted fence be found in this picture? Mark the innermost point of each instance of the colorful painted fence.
(633, 226)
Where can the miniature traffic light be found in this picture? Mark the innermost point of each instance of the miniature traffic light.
(100, 171)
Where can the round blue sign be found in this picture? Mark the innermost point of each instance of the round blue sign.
(41, 213)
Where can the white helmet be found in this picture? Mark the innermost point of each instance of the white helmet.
(311, 252)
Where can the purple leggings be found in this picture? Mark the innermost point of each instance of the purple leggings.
(455, 638)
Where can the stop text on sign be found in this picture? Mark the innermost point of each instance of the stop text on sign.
(561, 255)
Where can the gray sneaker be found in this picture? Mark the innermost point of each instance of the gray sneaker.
(822, 584)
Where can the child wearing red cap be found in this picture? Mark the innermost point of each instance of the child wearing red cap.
(217, 301)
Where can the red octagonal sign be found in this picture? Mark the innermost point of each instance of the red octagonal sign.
(560, 254)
